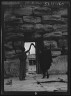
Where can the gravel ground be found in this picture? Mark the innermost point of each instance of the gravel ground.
(34, 82)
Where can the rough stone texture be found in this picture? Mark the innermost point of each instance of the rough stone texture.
(23, 11)
(32, 20)
(11, 68)
(53, 43)
(46, 18)
(59, 65)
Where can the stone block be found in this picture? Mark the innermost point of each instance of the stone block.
(59, 65)
(11, 67)
(23, 11)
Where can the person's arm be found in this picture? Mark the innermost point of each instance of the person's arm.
(28, 49)
(33, 45)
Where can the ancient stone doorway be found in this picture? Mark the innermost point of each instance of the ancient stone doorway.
(31, 57)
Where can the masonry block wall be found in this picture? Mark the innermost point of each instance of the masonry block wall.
(28, 21)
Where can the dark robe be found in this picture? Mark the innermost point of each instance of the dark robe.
(45, 60)
(22, 58)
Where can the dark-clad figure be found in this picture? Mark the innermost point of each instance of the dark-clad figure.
(45, 59)
(22, 57)
(22, 69)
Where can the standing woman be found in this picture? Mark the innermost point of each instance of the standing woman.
(22, 57)
(45, 59)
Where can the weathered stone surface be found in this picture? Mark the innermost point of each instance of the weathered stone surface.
(51, 17)
(38, 26)
(42, 11)
(59, 65)
(41, 8)
(23, 11)
(11, 67)
(36, 35)
(39, 20)
(63, 42)
(62, 12)
(60, 27)
(27, 26)
(53, 43)
(53, 34)
(52, 22)
(65, 33)
(31, 19)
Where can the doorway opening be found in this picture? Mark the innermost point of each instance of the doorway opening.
(31, 57)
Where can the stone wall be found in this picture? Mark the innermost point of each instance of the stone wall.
(29, 21)
(11, 68)
(59, 65)
(51, 21)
